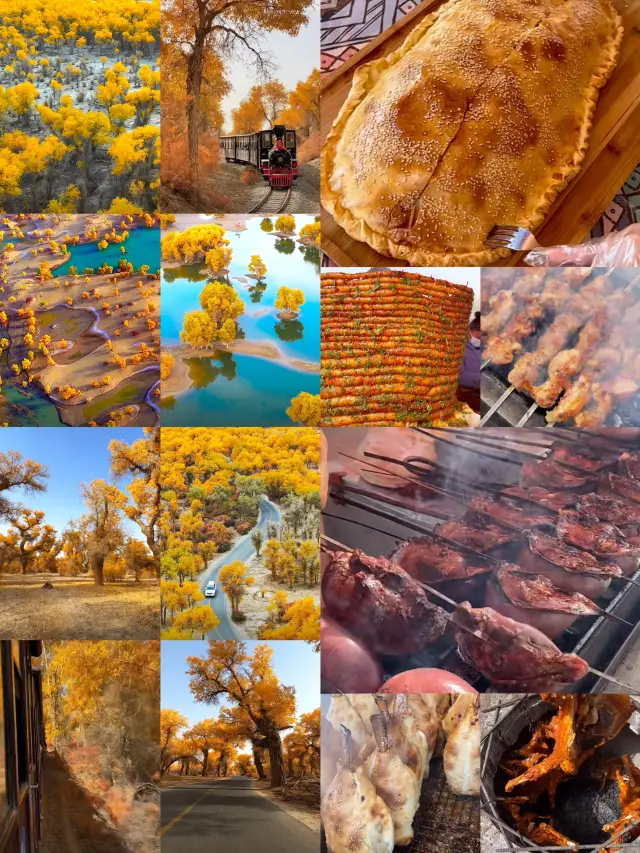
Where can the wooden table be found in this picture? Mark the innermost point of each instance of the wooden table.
(614, 146)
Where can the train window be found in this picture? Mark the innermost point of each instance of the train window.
(266, 138)
(291, 139)
(4, 800)
(21, 727)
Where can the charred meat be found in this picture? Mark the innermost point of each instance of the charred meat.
(623, 487)
(553, 476)
(512, 655)
(538, 593)
(609, 508)
(380, 603)
(539, 495)
(601, 538)
(584, 460)
(511, 512)
(481, 536)
(553, 550)
(431, 561)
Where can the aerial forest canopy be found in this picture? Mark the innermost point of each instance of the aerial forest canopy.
(79, 105)
(97, 542)
(197, 40)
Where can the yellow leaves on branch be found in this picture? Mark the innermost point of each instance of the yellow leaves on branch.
(193, 244)
(234, 579)
(301, 622)
(257, 267)
(138, 146)
(286, 224)
(305, 409)
(217, 321)
(289, 299)
(167, 362)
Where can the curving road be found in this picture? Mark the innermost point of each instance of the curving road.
(242, 550)
(228, 814)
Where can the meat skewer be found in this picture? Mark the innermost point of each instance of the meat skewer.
(602, 539)
(550, 474)
(380, 603)
(536, 601)
(570, 569)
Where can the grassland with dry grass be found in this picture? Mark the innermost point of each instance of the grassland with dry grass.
(78, 610)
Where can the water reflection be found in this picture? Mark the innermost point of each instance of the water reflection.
(285, 246)
(256, 291)
(192, 272)
(289, 330)
(311, 254)
(267, 225)
(204, 371)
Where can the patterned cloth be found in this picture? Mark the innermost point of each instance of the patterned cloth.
(348, 25)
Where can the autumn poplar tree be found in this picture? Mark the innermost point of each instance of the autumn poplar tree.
(141, 460)
(249, 682)
(226, 28)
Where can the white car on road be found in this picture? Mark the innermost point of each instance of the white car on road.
(210, 589)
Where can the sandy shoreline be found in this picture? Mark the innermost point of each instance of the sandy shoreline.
(180, 381)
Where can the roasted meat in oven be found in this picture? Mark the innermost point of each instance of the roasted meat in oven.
(536, 601)
(511, 512)
(569, 568)
(511, 655)
(355, 817)
(552, 476)
(482, 536)
(609, 508)
(380, 604)
(600, 538)
(431, 561)
(539, 495)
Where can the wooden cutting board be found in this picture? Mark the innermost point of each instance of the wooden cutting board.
(614, 148)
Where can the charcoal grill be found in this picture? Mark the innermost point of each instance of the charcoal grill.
(502, 405)
(373, 524)
(502, 725)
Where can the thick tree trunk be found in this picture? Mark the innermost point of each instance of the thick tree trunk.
(205, 761)
(194, 85)
(278, 775)
(98, 570)
(258, 762)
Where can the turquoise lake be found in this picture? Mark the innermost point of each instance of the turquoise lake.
(288, 263)
(238, 389)
(142, 245)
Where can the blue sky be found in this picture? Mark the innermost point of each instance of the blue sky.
(72, 455)
(294, 662)
(295, 57)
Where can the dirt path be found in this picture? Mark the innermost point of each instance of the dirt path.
(70, 822)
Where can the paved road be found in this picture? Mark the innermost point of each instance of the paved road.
(242, 550)
(227, 815)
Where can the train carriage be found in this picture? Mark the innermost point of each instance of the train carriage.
(272, 152)
(22, 746)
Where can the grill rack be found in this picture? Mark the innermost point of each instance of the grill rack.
(603, 643)
(503, 405)
(496, 730)
(444, 822)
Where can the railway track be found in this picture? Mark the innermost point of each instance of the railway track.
(274, 201)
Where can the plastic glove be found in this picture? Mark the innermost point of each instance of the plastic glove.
(618, 249)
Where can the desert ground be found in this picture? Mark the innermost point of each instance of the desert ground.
(77, 609)
(94, 351)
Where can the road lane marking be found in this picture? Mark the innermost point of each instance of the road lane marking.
(182, 814)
